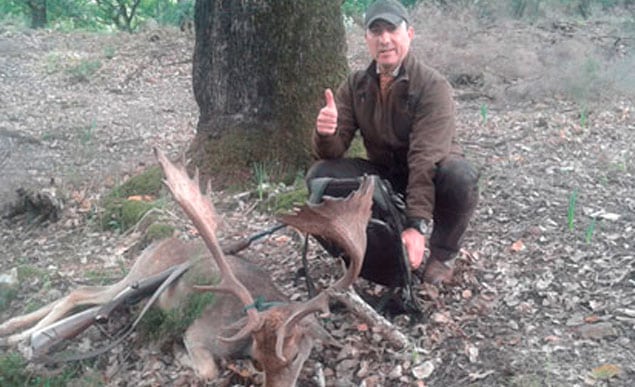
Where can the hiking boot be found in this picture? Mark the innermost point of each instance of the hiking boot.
(437, 272)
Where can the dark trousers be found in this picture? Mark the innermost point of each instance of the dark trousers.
(456, 195)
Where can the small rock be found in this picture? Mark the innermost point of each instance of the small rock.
(423, 370)
(319, 375)
(54, 294)
(346, 367)
(575, 320)
(371, 381)
(472, 352)
(396, 372)
(597, 331)
(363, 369)
(543, 283)
(10, 278)
(627, 312)
(328, 372)
(347, 351)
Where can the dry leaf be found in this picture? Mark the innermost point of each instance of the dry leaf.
(514, 340)
(606, 371)
(440, 318)
(592, 319)
(281, 240)
(241, 371)
(518, 246)
(552, 339)
(474, 376)
(141, 198)
(471, 256)
(78, 196)
(85, 206)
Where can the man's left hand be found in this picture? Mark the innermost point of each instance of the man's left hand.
(415, 244)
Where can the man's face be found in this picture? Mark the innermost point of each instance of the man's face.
(388, 44)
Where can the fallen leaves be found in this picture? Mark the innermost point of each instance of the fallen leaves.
(517, 225)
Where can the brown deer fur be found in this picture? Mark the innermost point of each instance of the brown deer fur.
(279, 338)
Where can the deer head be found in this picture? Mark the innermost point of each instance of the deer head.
(281, 338)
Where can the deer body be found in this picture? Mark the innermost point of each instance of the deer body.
(225, 315)
(201, 339)
(279, 338)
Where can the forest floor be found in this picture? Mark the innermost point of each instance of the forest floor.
(544, 292)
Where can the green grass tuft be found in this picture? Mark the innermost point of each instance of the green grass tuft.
(158, 231)
(286, 201)
(14, 372)
(159, 325)
(164, 326)
(121, 213)
(7, 294)
(571, 210)
(84, 70)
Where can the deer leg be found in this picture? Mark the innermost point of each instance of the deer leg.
(25, 320)
(89, 295)
(200, 354)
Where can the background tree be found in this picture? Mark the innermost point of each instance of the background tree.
(260, 69)
(120, 12)
(38, 13)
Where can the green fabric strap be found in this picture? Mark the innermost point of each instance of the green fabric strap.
(260, 304)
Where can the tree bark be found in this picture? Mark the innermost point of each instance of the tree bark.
(38, 13)
(259, 71)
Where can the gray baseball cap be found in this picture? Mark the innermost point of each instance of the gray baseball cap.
(389, 10)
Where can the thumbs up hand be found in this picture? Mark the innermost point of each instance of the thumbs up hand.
(327, 118)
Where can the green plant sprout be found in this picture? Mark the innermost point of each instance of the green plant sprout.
(261, 178)
(590, 230)
(87, 133)
(484, 114)
(584, 118)
(571, 210)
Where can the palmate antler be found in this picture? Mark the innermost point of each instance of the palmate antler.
(342, 221)
(201, 212)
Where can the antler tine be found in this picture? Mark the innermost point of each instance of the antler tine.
(344, 222)
(199, 209)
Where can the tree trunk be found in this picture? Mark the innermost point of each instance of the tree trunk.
(259, 72)
(38, 13)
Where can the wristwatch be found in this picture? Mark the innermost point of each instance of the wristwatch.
(420, 225)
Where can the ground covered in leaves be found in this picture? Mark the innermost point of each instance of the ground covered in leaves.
(544, 291)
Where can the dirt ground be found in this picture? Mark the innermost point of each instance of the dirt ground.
(544, 291)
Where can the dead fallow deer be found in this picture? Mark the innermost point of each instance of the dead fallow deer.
(280, 338)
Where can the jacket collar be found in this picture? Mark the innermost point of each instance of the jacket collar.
(402, 72)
